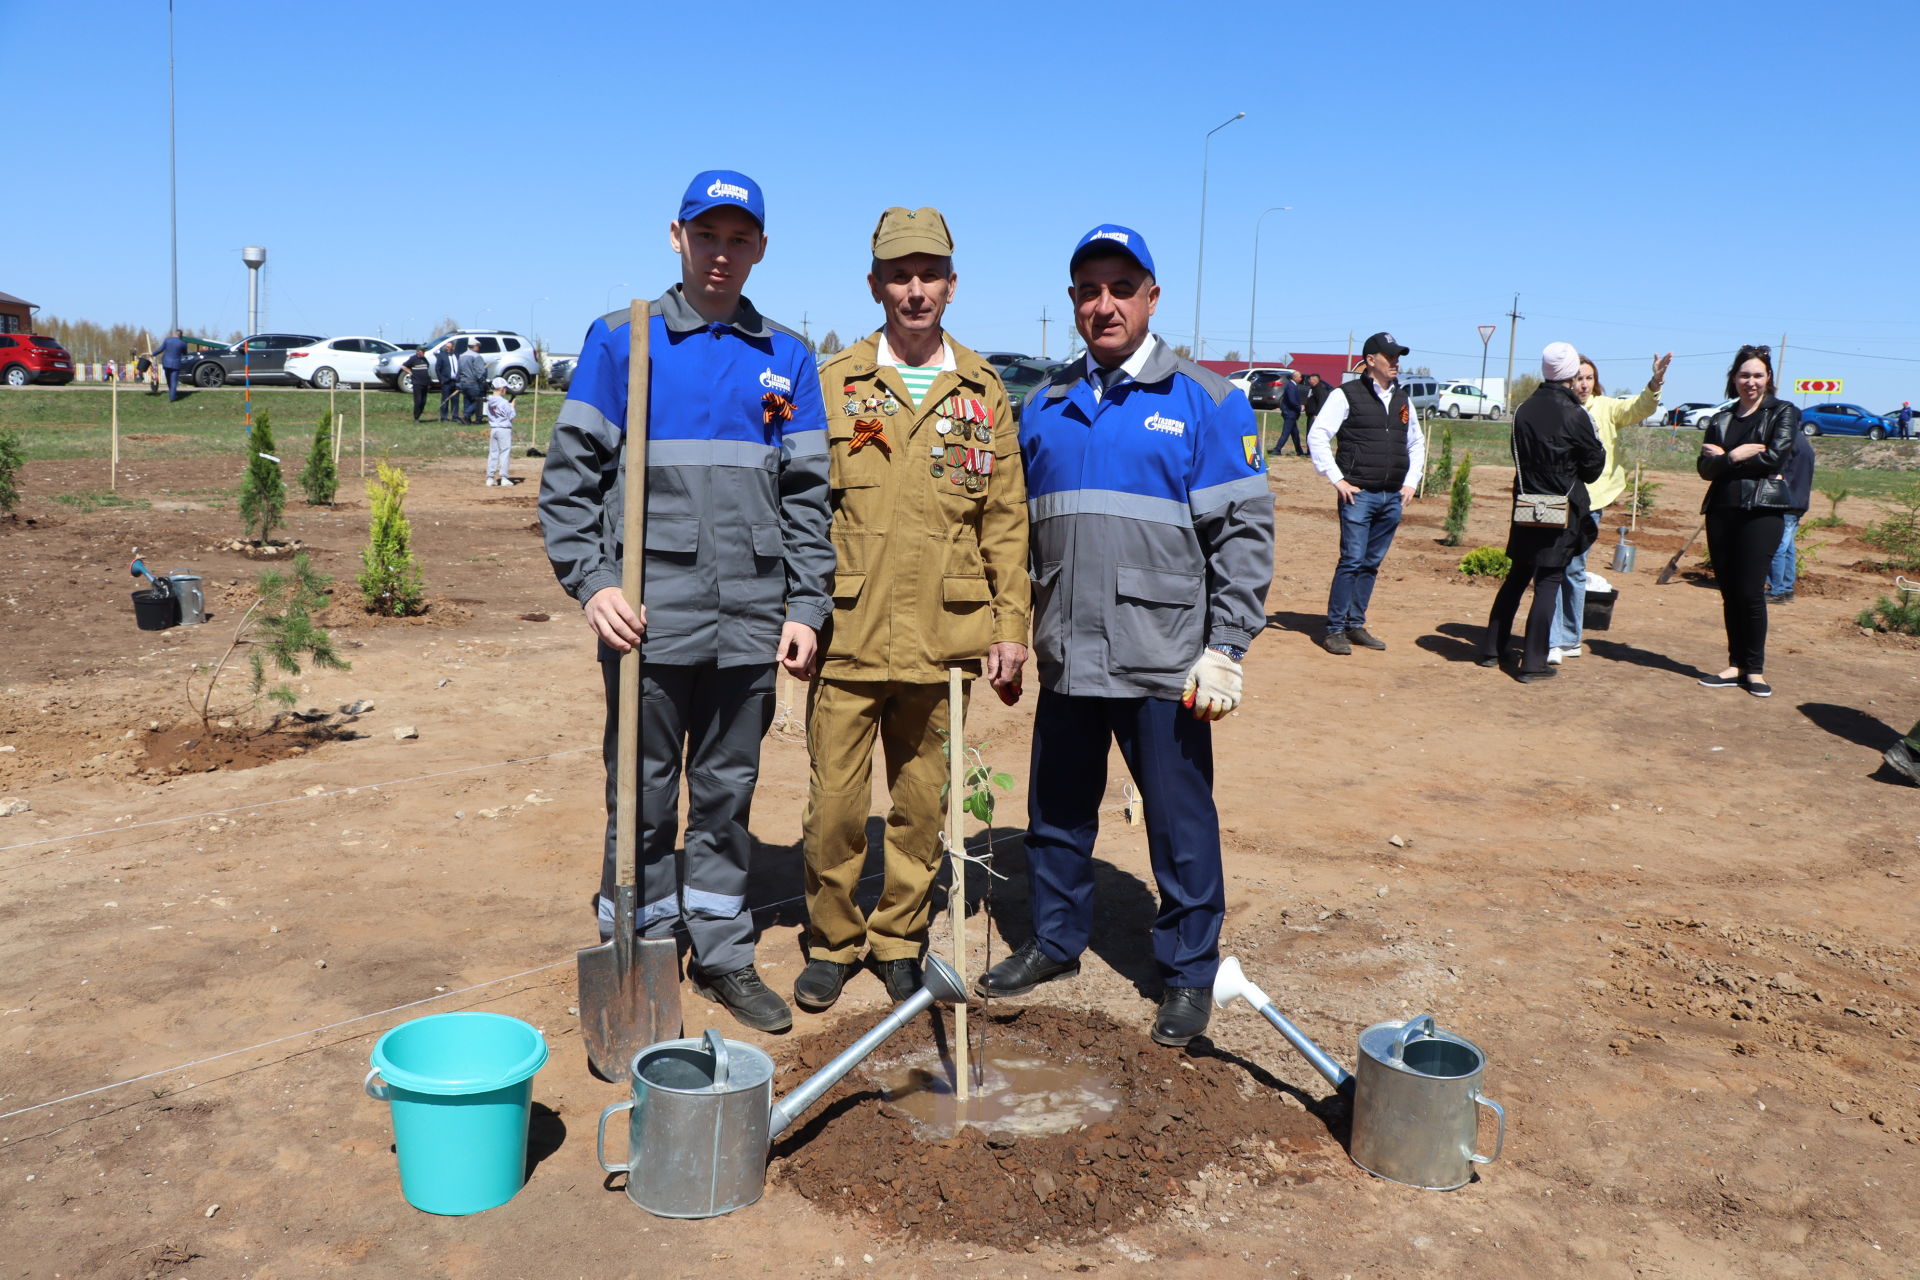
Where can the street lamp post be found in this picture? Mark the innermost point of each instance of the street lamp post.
(1199, 272)
(1253, 298)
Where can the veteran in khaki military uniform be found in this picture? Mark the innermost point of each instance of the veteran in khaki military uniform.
(930, 532)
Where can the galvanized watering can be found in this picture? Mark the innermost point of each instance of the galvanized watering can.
(1414, 1116)
(702, 1116)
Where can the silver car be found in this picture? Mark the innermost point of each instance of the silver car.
(509, 356)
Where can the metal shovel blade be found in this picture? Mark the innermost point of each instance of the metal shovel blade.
(629, 996)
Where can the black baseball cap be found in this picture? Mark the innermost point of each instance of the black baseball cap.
(1383, 344)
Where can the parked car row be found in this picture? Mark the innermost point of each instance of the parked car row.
(309, 360)
(509, 356)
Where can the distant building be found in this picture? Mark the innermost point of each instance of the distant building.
(16, 314)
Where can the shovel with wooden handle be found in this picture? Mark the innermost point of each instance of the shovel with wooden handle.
(629, 987)
(1666, 574)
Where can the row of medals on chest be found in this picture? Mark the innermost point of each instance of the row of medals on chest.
(960, 419)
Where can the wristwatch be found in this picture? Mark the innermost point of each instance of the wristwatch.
(1231, 650)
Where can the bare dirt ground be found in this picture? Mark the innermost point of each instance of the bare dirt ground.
(1680, 923)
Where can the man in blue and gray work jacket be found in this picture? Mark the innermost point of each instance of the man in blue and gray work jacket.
(737, 569)
(1152, 551)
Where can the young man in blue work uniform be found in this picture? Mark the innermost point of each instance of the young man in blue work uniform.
(1152, 547)
(737, 569)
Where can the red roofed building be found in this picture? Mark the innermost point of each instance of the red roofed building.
(1333, 369)
(16, 314)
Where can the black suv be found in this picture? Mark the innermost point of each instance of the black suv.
(263, 357)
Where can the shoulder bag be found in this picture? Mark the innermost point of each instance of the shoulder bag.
(1538, 510)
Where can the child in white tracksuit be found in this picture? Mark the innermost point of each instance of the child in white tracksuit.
(499, 411)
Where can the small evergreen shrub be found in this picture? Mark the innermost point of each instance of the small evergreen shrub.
(278, 630)
(1832, 519)
(1486, 562)
(263, 494)
(390, 581)
(1902, 615)
(1440, 468)
(320, 478)
(1459, 502)
(1899, 534)
(12, 457)
(1640, 503)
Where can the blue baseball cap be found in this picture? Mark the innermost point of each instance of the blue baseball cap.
(723, 188)
(1112, 237)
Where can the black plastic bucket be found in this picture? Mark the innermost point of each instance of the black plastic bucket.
(1599, 614)
(156, 610)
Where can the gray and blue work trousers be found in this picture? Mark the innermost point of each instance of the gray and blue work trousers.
(714, 717)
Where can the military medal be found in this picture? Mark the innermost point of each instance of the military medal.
(957, 476)
(939, 469)
(850, 408)
(983, 434)
(973, 484)
(943, 426)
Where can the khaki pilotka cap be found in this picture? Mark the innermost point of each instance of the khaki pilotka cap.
(905, 231)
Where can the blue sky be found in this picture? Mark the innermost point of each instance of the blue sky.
(1682, 176)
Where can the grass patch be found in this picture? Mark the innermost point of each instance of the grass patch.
(89, 500)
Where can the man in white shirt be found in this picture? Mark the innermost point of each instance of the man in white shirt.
(1366, 441)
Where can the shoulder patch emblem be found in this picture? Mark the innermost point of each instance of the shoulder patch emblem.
(1250, 445)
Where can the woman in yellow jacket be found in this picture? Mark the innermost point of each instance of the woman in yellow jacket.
(1609, 414)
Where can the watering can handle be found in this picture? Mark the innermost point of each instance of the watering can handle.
(378, 1092)
(600, 1140)
(1401, 1041)
(1500, 1136)
(717, 1046)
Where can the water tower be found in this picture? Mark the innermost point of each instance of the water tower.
(255, 256)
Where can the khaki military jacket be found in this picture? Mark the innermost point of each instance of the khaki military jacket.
(929, 527)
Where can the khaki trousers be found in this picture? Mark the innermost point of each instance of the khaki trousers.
(843, 719)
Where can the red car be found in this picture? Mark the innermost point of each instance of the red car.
(29, 357)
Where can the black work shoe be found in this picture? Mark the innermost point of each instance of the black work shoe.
(903, 978)
(1534, 677)
(1722, 682)
(1022, 971)
(1336, 642)
(1365, 638)
(818, 985)
(1903, 760)
(1756, 686)
(1780, 597)
(1183, 1015)
(749, 1000)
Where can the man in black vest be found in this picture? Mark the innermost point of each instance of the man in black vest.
(1366, 441)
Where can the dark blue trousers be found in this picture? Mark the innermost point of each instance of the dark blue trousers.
(1170, 755)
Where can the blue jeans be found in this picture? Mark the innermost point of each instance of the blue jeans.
(1784, 571)
(1570, 611)
(1367, 525)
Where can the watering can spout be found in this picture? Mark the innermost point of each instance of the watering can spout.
(1230, 983)
(943, 985)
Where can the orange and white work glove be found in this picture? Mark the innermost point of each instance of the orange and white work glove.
(1213, 686)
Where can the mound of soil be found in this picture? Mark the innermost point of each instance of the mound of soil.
(191, 749)
(1178, 1114)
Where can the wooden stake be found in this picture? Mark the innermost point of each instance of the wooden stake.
(113, 475)
(957, 898)
(363, 430)
(339, 429)
(1633, 513)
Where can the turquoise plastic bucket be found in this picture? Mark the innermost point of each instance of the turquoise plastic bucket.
(460, 1086)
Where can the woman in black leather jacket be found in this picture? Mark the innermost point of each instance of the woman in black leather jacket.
(1746, 449)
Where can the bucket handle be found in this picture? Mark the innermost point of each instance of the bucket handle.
(1423, 1023)
(378, 1092)
(1500, 1136)
(717, 1046)
(600, 1140)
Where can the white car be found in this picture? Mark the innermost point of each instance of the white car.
(508, 355)
(1464, 400)
(1700, 417)
(323, 365)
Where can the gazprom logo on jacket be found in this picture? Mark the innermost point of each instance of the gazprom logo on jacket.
(728, 191)
(1172, 426)
(774, 382)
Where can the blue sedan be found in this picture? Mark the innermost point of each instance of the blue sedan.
(1842, 420)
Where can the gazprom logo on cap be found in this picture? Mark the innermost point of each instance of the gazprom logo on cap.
(774, 382)
(1171, 426)
(727, 191)
(1119, 236)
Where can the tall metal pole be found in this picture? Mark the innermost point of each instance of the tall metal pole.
(1513, 332)
(1199, 272)
(1253, 292)
(173, 183)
